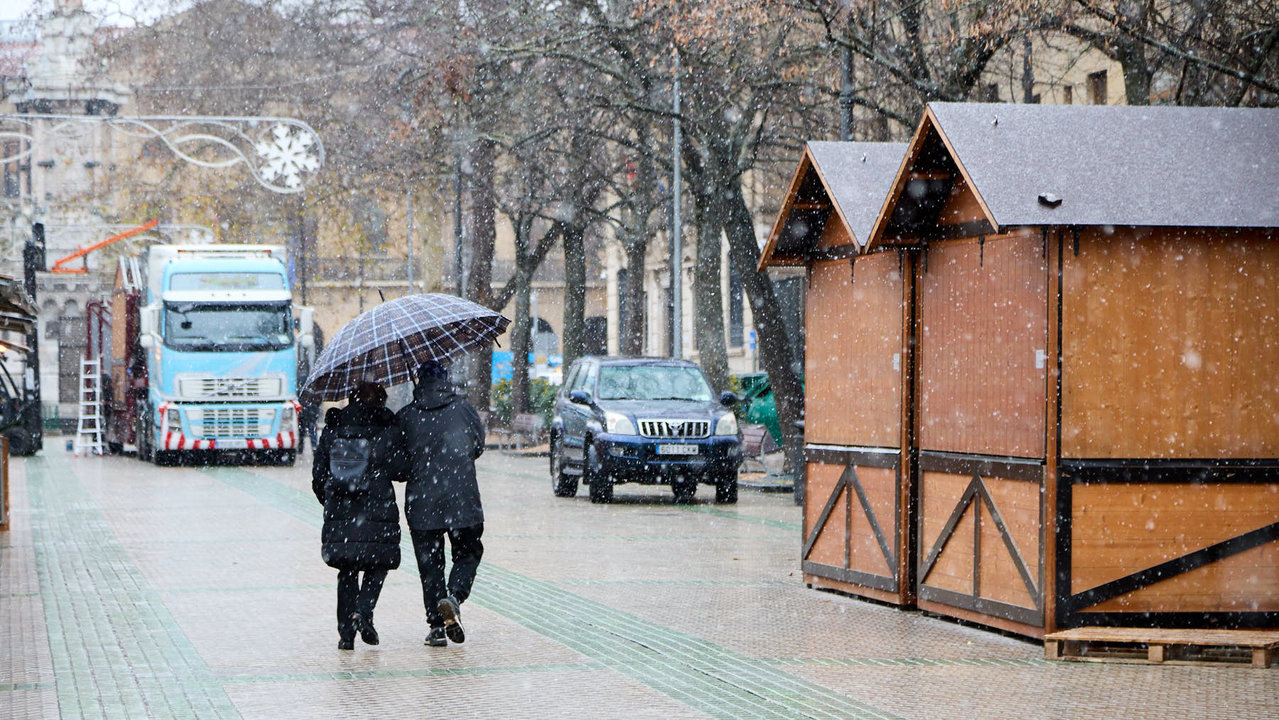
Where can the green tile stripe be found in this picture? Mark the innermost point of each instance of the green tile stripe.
(116, 650)
(18, 687)
(717, 512)
(689, 582)
(209, 589)
(410, 673)
(914, 662)
(702, 675)
(728, 515)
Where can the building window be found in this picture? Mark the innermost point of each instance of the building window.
(790, 299)
(1097, 88)
(15, 171)
(1067, 95)
(987, 93)
(735, 314)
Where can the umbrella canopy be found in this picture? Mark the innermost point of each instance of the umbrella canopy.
(389, 342)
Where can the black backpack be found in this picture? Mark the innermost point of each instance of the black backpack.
(349, 460)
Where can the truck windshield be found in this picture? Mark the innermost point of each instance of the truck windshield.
(652, 382)
(228, 327)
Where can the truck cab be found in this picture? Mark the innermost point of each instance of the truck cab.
(221, 353)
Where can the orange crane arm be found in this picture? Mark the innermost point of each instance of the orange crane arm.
(81, 252)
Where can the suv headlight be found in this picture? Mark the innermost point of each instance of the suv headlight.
(618, 424)
(727, 424)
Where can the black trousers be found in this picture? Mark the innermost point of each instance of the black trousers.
(356, 598)
(466, 550)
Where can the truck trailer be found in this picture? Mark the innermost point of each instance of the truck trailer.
(204, 354)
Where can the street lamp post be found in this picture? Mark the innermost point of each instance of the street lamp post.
(677, 249)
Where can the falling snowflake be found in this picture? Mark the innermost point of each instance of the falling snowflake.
(286, 155)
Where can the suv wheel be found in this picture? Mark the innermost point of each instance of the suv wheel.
(562, 484)
(600, 484)
(726, 489)
(685, 489)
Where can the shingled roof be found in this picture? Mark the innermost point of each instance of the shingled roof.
(1114, 165)
(850, 178)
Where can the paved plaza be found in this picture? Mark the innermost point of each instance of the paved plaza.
(131, 591)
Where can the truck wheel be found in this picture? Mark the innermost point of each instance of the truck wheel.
(726, 489)
(142, 436)
(562, 484)
(600, 484)
(685, 490)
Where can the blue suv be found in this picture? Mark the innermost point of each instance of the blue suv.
(645, 420)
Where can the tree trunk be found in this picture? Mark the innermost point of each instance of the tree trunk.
(574, 334)
(708, 296)
(1131, 52)
(521, 342)
(1138, 77)
(632, 337)
(775, 350)
(479, 286)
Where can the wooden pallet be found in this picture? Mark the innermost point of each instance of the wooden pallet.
(1163, 646)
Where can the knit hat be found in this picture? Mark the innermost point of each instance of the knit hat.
(432, 369)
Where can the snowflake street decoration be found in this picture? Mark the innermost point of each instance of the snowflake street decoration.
(287, 154)
(282, 159)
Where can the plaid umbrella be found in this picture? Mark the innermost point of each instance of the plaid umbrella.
(389, 342)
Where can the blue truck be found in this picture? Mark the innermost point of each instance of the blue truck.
(204, 354)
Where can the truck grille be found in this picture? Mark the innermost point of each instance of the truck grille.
(230, 388)
(231, 422)
(675, 428)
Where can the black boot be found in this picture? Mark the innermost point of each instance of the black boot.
(436, 638)
(452, 614)
(367, 632)
(346, 634)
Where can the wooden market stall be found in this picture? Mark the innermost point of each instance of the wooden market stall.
(1086, 365)
(854, 519)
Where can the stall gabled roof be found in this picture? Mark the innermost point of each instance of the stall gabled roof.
(850, 178)
(1108, 165)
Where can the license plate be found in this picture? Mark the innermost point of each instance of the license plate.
(676, 449)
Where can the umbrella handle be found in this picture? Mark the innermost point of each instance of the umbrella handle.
(405, 347)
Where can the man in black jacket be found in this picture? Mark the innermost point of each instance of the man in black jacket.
(440, 436)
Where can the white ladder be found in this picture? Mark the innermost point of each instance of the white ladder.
(88, 435)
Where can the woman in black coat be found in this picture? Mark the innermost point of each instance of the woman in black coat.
(361, 519)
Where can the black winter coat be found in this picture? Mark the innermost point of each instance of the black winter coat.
(440, 436)
(361, 529)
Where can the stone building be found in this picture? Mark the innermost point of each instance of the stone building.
(57, 172)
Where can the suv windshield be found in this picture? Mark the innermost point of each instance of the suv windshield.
(652, 382)
(225, 327)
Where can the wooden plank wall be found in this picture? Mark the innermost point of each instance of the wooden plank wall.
(961, 205)
(1119, 529)
(983, 345)
(983, 368)
(853, 380)
(834, 234)
(1170, 345)
(853, 359)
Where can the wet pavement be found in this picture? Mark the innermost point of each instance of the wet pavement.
(130, 591)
